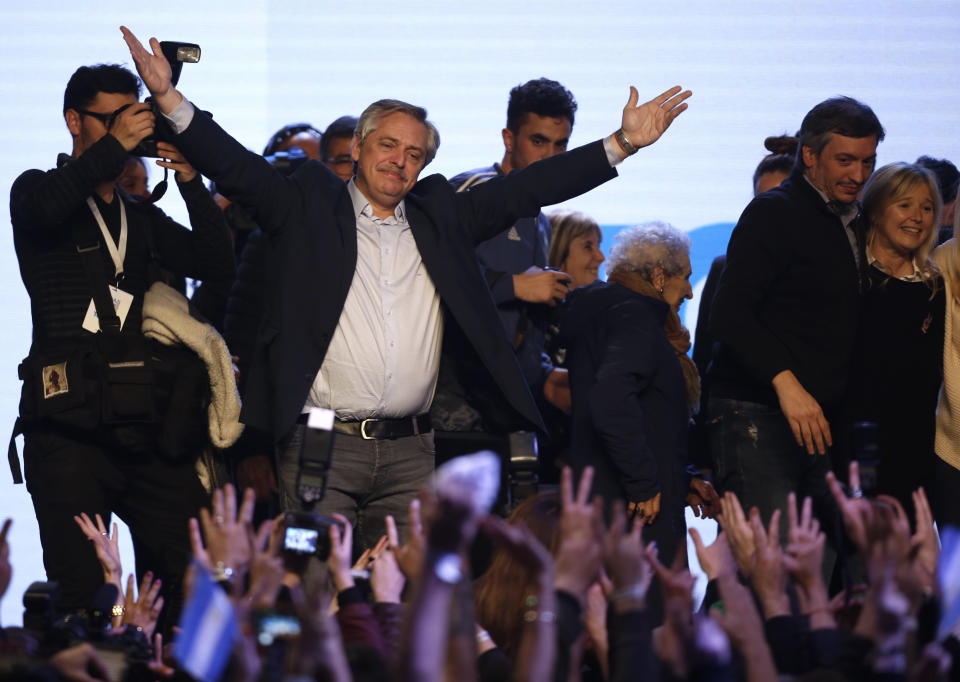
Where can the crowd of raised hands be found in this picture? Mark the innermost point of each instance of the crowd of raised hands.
(409, 609)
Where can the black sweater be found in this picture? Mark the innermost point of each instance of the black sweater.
(787, 300)
(895, 379)
(46, 208)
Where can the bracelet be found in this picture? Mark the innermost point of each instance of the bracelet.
(632, 592)
(222, 573)
(624, 143)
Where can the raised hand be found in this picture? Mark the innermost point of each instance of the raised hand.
(386, 579)
(410, 555)
(341, 554)
(106, 545)
(266, 565)
(581, 527)
(856, 510)
(644, 124)
(153, 68)
(227, 532)
(803, 557)
(924, 541)
(736, 527)
(143, 609)
(624, 555)
(769, 574)
(716, 560)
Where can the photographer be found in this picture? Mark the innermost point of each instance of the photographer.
(95, 439)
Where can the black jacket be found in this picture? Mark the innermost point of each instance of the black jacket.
(630, 410)
(47, 209)
(310, 218)
(788, 299)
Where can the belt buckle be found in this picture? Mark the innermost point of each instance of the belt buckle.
(363, 429)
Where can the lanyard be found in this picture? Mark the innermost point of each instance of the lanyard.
(118, 252)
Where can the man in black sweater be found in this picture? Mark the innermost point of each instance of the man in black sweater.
(78, 460)
(785, 314)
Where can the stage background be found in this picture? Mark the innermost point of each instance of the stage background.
(755, 68)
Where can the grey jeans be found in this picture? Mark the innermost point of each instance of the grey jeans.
(368, 480)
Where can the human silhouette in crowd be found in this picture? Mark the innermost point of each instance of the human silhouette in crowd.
(369, 348)
(784, 318)
(539, 122)
(634, 387)
(96, 446)
(948, 183)
(335, 146)
(134, 179)
(573, 591)
(575, 246)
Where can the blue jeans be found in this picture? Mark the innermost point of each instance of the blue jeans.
(756, 456)
(368, 480)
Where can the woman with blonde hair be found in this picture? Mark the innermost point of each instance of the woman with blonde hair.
(575, 246)
(896, 368)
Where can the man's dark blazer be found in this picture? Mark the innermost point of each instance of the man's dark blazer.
(310, 220)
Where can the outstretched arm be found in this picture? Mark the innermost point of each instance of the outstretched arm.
(155, 71)
(643, 124)
(239, 173)
(491, 207)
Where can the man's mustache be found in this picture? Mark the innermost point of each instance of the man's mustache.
(393, 168)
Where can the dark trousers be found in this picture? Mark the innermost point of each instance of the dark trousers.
(66, 476)
(368, 480)
(756, 456)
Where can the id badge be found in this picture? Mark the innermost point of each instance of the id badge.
(121, 305)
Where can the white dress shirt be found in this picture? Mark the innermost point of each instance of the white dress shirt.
(384, 355)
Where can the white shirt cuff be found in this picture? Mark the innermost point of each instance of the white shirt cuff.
(612, 158)
(181, 117)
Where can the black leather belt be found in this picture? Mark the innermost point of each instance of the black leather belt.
(380, 429)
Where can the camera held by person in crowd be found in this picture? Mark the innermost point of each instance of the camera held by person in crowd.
(287, 160)
(125, 651)
(308, 533)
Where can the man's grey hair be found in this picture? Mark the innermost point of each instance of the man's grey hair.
(643, 247)
(370, 119)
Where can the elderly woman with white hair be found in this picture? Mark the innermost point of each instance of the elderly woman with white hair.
(633, 385)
